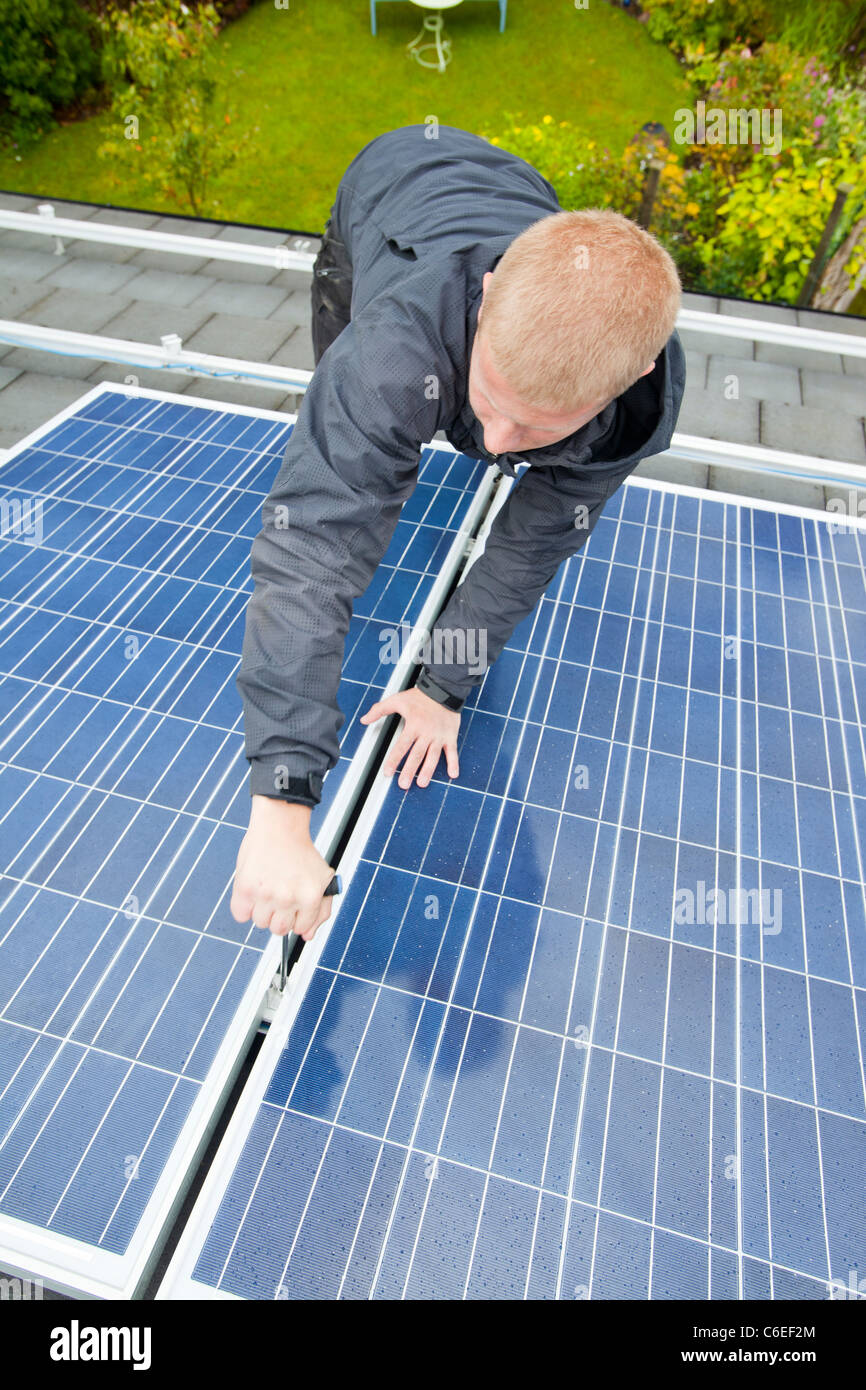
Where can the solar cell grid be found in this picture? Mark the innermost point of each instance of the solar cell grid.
(125, 795)
(588, 1021)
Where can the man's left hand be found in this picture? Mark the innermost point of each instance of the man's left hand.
(428, 730)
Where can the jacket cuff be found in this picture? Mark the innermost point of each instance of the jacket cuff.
(426, 684)
(269, 777)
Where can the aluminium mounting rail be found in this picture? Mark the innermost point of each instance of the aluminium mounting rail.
(284, 257)
(172, 357)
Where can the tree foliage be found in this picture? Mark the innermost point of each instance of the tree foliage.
(165, 78)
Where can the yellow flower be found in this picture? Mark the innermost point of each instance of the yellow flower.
(548, 120)
(590, 144)
(692, 209)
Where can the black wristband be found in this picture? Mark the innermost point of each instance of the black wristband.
(426, 684)
(306, 790)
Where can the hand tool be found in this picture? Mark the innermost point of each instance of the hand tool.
(334, 887)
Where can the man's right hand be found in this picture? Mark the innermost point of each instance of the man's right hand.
(280, 877)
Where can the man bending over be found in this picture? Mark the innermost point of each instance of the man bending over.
(450, 293)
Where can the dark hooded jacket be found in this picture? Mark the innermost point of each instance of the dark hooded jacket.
(423, 212)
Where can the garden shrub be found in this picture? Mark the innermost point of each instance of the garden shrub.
(49, 58)
(736, 222)
(833, 30)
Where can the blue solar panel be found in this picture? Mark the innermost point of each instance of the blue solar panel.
(588, 1022)
(124, 788)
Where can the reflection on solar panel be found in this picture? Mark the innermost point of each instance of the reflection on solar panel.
(588, 1022)
(128, 993)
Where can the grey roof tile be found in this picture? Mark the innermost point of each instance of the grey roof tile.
(826, 434)
(293, 281)
(19, 202)
(186, 226)
(34, 397)
(146, 321)
(296, 351)
(93, 277)
(252, 300)
(710, 415)
(27, 265)
(772, 313)
(11, 240)
(253, 236)
(696, 370)
(294, 309)
(242, 272)
(236, 335)
(828, 391)
(97, 251)
(82, 313)
(128, 217)
(169, 287)
(760, 380)
(831, 323)
(706, 303)
(798, 357)
(16, 296)
(8, 374)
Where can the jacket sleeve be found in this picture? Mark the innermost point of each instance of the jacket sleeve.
(350, 464)
(546, 518)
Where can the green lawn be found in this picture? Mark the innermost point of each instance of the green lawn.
(319, 86)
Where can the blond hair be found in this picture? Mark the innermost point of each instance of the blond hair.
(578, 307)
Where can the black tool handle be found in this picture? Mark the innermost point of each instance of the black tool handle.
(334, 887)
